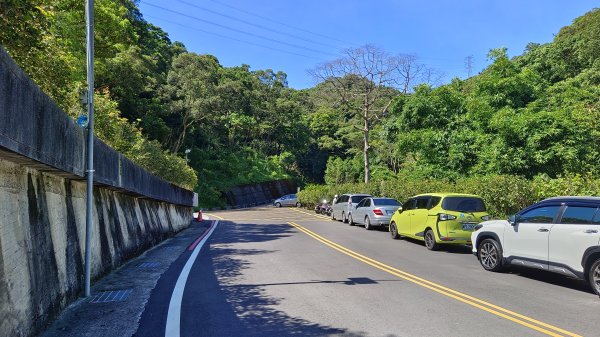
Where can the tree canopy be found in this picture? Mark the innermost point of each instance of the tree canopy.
(533, 115)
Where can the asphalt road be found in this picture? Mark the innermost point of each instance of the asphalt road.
(282, 272)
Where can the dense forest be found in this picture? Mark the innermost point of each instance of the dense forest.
(534, 116)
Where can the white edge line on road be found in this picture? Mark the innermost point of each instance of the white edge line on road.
(173, 328)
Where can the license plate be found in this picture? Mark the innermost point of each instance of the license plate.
(388, 212)
(468, 226)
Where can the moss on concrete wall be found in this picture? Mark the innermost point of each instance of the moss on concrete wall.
(42, 231)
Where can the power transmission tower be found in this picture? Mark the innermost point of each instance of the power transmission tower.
(469, 65)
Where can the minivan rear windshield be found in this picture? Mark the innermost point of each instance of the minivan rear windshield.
(386, 202)
(358, 198)
(463, 204)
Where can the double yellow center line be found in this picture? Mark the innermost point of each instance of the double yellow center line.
(529, 322)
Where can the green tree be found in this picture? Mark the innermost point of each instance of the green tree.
(190, 93)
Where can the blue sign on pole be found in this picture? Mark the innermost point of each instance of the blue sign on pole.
(82, 121)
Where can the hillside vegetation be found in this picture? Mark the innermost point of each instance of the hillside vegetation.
(533, 117)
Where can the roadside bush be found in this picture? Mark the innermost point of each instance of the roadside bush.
(311, 194)
(503, 194)
(403, 188)
(546, 187)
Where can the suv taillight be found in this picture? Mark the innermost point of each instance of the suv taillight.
(377, 212)
(446, 217)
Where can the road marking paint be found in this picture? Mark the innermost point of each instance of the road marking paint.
(173, 328)
(275, 220)
(467, 299)
(216, 216)
(315, 215)
(195, 243)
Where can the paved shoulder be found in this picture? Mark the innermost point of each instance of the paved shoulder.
(118, 299)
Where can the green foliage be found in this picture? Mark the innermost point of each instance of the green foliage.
(341, 171)
(219, 171)
(545, 187)
(523, 129)
(503, 194)
(128, 139)
(46, 39)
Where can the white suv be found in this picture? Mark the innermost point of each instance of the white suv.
(560, 234)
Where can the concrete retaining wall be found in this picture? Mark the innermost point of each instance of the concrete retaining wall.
(42, 206)
(34, 128)
(42, 233)
(258, 194)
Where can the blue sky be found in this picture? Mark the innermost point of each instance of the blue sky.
(441, 33)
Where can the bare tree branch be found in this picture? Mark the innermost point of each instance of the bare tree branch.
(365, 80)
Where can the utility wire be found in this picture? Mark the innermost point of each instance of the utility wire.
(256, 25)
(281, 23)
(232, 38)
(238, 30)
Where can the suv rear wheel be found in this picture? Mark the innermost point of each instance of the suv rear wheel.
(430, 240)
(394, 231)
(594, 276)
(490, 255)
(350, 220)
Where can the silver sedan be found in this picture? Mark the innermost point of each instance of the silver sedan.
(374, 212)
(287, 200)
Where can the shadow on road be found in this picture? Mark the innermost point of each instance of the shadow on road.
(447, 248)
(222, 306)
(349, 282)
(551, 278)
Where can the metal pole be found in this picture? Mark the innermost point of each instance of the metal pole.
(89, 18)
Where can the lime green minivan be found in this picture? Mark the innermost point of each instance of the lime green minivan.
(439, 218)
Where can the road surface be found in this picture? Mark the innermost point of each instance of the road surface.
(285, 271)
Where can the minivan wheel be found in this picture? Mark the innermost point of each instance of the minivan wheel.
(332, 216)
(350, 221)
(490, 255)
(277, 204)
(344, 220)
(368, 223)
(394, 231)
(298, 204)
(594, 277)
(430, 240)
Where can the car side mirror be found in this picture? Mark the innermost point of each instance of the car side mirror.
(400, 209)
(512, 220)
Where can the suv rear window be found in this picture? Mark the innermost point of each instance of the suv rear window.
(578, 215)
(386, 202)
(358, 198)
(463, 204)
